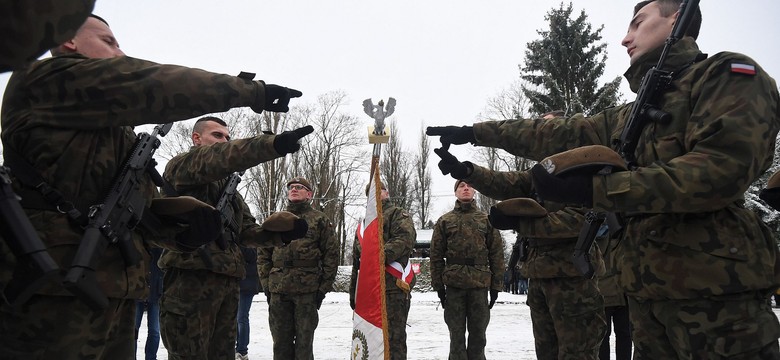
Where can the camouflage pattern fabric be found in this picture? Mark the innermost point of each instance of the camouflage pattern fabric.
(467, 309)
(688, 235)
(198, 314)
(202, 173)
(608, 283)
(568, 318)
(465, 233)
(40, 331)
(30, 28)
(293, 319)
(556, 289)
(399, 235)
(294, 287)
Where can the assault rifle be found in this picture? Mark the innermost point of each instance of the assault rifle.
(113, 221)
(227, 212)
(645, 109)
(34, 266)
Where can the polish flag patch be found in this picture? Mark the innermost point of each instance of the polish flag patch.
(743, 69)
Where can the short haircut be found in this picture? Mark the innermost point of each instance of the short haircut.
(669, 7)
(554, 113)
(99, 18)
(198, 128)
(58, 50)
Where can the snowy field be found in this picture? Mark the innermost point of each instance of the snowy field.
(509, 333)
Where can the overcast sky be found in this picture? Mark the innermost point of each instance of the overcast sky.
(440, 59)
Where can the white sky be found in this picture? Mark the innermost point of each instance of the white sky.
(440, 59)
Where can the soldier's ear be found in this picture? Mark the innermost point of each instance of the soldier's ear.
(196, 138)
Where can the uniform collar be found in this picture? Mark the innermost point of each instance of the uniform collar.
(683, 52)
(464, 206)
(298, 207)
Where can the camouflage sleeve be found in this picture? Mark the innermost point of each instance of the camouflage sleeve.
(30, 28)
(500, 185)
(402, 236)
(725, 144)
(206, 164)
(91, 94)
(538, 138)
(438, 252)
(564, 223)
(252, 234)
(329, 246)
(496, 259)
(264, 265)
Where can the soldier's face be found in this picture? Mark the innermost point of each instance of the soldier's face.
(464, 192)
(95, 40)
(211, 133)
(647, 31)
(298, 193)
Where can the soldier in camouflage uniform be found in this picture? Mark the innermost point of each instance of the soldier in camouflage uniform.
(296, 277)
(399, 236)
(70, 118)
(567, 310)
(30, 28)
(696, 265)
(467, 263)
(200, 290)
(615, 303)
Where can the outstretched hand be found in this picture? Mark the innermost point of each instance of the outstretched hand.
(287, 142)
(277, 98)
(449, 164)
(452, 134)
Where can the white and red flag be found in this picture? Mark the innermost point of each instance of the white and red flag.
(369, 334)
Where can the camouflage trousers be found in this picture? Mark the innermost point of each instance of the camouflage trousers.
(467, 309)
(198, 314)
(62, 327)
(735, 327)
(568, 318)
(398, 304)
(293, 319)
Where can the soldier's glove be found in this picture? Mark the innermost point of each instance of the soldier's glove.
(502, 221)
(449, 164)
(300, 227)
(205, 227)
(277, 98)
(571, 188)
(320, 297)
(771, 197)
(493, 297)
(267, 296)
(442, 297)
(287, 142)
(456, 135)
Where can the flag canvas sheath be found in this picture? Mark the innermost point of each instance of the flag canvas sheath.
(369, 335)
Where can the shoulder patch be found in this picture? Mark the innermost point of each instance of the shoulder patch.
(742, 68)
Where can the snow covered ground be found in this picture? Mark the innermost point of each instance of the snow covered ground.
(509, 333)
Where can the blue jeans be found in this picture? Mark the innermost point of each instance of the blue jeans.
(153, 326)
(242, 340)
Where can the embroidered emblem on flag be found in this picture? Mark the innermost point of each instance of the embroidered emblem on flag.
(743, 69)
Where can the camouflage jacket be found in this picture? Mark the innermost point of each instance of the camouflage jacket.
(30, 28)
(70, 117)
(609, 286)
(399, 235)
(559, 229)
(202, 173)
(305, 265)
(473, 249)
(688, 234)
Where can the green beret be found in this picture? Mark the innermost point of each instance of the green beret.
(592, 158)
(280, 221)
(525, 207)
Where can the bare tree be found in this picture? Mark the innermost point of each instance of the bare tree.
(396, 170)
(421, 192)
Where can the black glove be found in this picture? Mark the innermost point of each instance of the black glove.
(771, 197)
(442, 297)
(300, 227)
(278, 97)
(502, 221)
(287, 142)
(449, 164)
(572, 188)
(320, 297)
(267, 296)
(493, 297)
(205, 227)
(452, 134)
